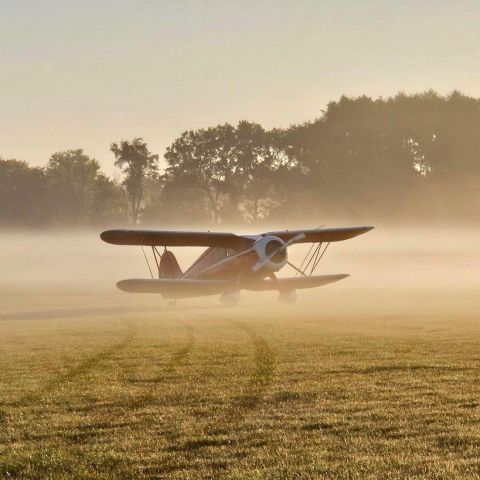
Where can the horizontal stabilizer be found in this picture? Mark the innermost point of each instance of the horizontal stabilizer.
(295, 283)
(321, 234)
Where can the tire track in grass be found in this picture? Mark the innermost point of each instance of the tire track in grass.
(263, 372)
(172, 373)
(3, 417)
(177, 358)
(88, 364)
(180, 356)
(219, 430)
(130, 405)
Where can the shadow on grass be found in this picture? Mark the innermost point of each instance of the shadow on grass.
(397, 368)
(198, 443)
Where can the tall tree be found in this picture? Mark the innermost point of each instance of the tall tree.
(78, 192)
(110, 201)
(233, 167)
(22, 194)
(200, 159)
(71, 179)
(408, 156)
(138, 164)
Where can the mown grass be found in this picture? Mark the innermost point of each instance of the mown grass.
(239, 394)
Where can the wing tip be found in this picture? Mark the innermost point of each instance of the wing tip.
(123, 285)
(356, 231)
(337, 277)
(108, 236)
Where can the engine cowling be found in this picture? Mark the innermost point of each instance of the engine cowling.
(271, 252)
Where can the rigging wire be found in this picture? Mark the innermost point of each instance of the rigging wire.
(158, 253)
(316, 256)
(157, 261)
(315, 259)
(298, 271)
(146, 259)
(304, 259)
(321, 256)
(315, 253)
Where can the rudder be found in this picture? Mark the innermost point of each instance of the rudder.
(169, 267)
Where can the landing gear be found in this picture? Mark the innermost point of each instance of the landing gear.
(230, 299)
(284, 296)
(288, 297)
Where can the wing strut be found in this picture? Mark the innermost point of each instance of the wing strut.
(157, 256)
(311, 258)
(146, 259)
(301, 272)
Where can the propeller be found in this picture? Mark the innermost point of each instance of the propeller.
(261, 263)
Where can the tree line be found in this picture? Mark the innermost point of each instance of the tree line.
(405, 157)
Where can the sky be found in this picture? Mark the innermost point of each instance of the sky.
(83, 74)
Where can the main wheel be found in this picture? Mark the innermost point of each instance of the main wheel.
(230, 299)
(288, 296)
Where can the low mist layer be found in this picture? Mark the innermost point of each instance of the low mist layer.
(392, 269)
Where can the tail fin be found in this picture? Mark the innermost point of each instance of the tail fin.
(169, 267)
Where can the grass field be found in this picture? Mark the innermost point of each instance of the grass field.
(376, 377)
(97, 391)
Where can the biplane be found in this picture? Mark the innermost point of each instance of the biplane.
(230, 262)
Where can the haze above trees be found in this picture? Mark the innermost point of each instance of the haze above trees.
(408, 157)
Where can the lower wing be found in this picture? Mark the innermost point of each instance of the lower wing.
(183, 288)
(295, 283)
(171, 288)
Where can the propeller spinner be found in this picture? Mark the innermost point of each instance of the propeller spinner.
(272, 252)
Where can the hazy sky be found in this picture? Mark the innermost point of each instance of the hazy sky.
(81, 74)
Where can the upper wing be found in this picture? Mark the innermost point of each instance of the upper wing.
(226, 240)
(174, 238)
(322, 234)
